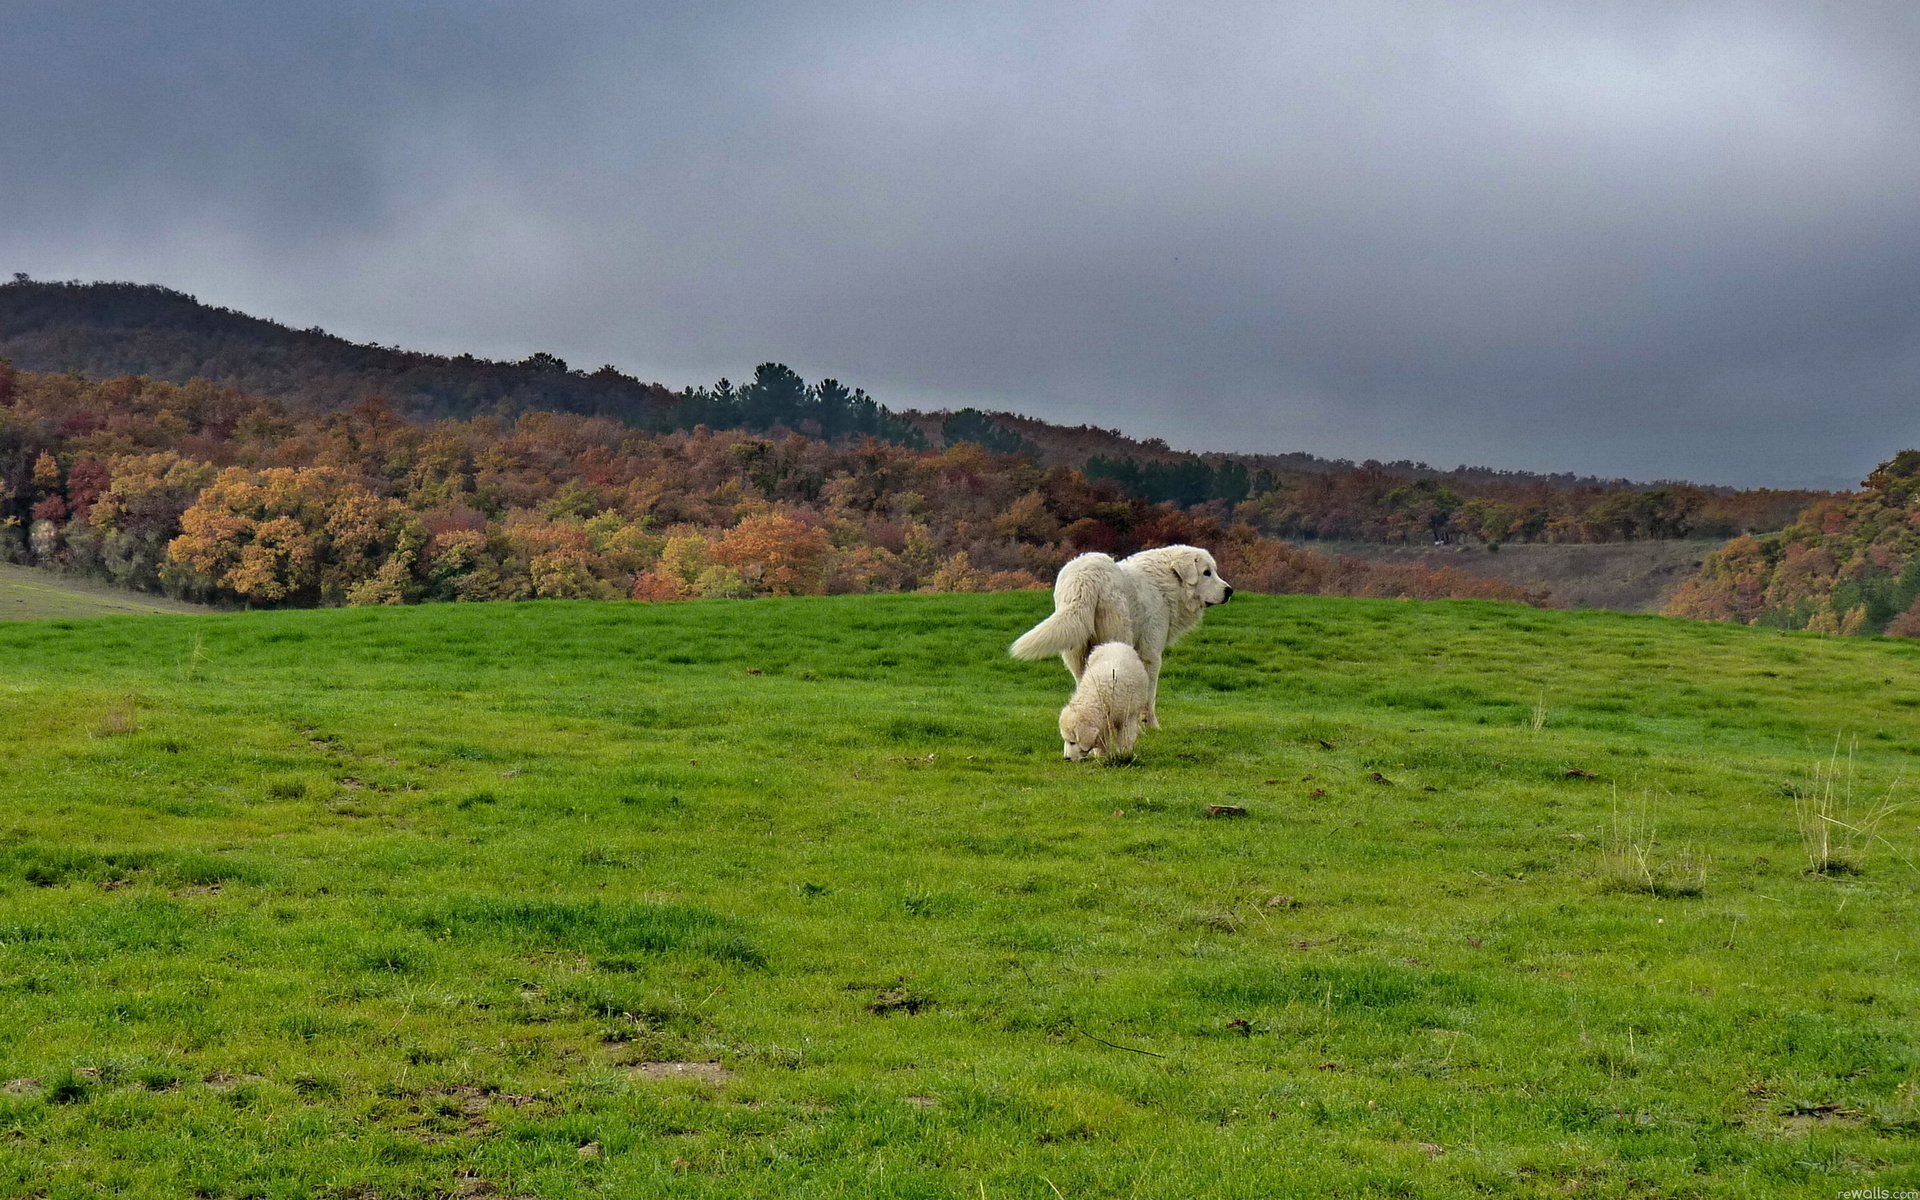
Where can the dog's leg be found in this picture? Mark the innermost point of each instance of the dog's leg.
(1153, 690)
(1076, 660)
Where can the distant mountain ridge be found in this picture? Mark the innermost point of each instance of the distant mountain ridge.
(105, 330)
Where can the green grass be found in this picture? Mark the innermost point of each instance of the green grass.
(30, 595)
(404, 903)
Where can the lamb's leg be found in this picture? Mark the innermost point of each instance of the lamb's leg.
(1153, 690)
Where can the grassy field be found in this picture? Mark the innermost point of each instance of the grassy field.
(796, 899)
(27, 594)
(1624, 576)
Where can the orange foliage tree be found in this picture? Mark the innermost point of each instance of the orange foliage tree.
(776, 554)
(288, 535)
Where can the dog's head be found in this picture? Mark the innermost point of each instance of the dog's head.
(1198, 573)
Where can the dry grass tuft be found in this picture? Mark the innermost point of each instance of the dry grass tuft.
(121, 718)
(1836, 831)
(1637, 862)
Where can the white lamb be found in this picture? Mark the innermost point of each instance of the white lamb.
(1109, 706)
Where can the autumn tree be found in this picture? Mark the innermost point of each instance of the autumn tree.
(126, 528)
(776, 554)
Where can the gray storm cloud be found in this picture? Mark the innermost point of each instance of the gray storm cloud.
(1655, 240)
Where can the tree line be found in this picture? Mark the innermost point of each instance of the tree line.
(123, 329)
(1847, 565)
(217, 494)
(1371, 503)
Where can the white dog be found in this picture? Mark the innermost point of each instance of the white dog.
(1108, 707)
(1146, 601)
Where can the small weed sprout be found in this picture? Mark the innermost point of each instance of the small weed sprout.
(70, 1087)
(1539, 720)
(1110, 755)
(196, 655)
(1116, 726)
(1636, 862)
(1835, 829)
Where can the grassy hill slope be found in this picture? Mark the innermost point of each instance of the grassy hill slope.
(795, 898)
(30, 595)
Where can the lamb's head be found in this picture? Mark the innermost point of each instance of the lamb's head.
(1083, 735)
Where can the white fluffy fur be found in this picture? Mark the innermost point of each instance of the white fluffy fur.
(1147, 601)
(1107, 709)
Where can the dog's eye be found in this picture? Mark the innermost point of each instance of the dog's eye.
(1208, 571)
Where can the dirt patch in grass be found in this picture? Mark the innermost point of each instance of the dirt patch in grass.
(706, 1072)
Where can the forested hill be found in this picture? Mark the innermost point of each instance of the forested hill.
(105, 330)
(108, 330)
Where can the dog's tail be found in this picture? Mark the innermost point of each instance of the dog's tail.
(1066, 629)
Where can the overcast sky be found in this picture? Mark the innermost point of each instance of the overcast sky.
(1663, 239)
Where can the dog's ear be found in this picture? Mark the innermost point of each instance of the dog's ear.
(1189, 568)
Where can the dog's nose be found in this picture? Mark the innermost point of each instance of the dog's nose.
(1229, 594)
